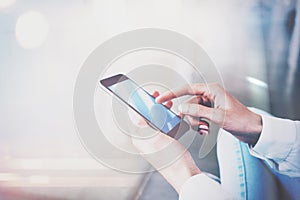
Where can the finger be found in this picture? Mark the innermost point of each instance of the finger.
(169, 104)
(205, 101)
(196, 122)
(155, 94)
(194, 99)
(203, 127)
(195, 89)
(203, 132)
(196, 110)
(200, 99)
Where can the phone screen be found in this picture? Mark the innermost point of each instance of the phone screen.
(160, 116)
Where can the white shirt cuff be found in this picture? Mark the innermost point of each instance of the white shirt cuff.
(276, 139)
(201, 186)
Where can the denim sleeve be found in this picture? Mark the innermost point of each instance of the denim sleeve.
(279, 145)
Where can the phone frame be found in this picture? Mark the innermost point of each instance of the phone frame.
(176, 132)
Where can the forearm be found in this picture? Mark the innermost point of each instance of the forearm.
(168, 157)
(180, 171)
(245, 125)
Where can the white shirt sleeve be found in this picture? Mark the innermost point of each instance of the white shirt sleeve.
(279, 145)
(202, 187)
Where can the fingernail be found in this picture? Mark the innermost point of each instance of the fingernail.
(203, 132)
(157, 99)
(203, 127)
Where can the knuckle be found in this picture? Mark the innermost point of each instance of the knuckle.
(216, 85)
(189, 88)
(198, 110)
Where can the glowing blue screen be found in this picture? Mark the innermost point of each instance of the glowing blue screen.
(145, 104)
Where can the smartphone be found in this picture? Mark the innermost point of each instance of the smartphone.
(157, 115)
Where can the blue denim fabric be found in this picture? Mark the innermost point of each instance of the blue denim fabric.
(241, 174)
(248, 177)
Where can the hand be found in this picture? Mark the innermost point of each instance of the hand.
(227, 112)
(197, 123)
(161, 150)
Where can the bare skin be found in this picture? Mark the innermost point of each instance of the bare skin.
(224, 110)
(179, 171)
(227, 112)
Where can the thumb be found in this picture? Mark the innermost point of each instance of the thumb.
(196, 110)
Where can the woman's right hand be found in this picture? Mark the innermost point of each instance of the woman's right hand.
(226, 111)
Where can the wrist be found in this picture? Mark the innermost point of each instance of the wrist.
(180, 171)
(255, 128)
(257, 124)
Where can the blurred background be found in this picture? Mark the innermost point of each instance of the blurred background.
(254, 44)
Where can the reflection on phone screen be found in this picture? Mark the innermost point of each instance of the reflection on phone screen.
(145, 104)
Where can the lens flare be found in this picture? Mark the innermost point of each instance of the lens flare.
(31, 30)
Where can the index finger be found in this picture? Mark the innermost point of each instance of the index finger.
(194, 89)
